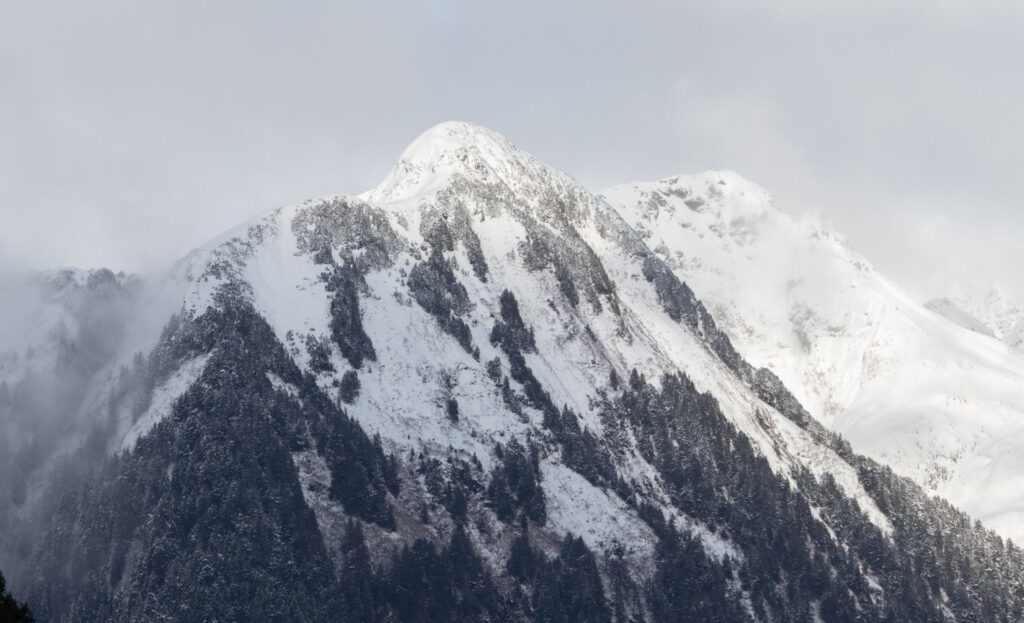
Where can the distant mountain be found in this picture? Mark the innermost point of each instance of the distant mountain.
(475, 392)
(938, 404)
(994, 307)
(952, 312)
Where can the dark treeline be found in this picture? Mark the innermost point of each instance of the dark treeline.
(10, 610)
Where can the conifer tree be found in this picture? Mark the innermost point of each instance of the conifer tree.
(10, 610)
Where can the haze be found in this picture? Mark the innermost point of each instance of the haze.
(134, 131)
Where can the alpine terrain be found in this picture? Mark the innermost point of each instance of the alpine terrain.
(994, 310)
(480, 392)
(939, 404)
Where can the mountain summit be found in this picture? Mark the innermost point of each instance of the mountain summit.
(448, 149)
(475, 392)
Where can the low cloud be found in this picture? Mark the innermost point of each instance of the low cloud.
(134, 133)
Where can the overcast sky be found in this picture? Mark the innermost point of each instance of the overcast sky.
(131, 132)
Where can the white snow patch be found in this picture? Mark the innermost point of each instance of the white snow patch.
(162, 401)
(602, 520)
(286, 285)
(282, 385)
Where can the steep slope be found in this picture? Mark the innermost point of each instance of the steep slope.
(475, 393)
(939, 404)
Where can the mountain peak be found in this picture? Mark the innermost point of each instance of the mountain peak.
(444, 139)
(447, 149)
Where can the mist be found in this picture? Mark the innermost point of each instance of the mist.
(74, 376)
(134, 133)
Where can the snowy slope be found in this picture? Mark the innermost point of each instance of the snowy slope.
(443, 171)
(940, 404)
(994, 306)
(954, 313)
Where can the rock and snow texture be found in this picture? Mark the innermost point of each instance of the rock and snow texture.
(484, 319)
(940, 404)
(936, 403)
(509, 218)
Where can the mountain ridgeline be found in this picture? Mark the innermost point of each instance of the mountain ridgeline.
(902, 384)
(470, 394)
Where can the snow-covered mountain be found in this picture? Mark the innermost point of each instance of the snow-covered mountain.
(954, 313)
(474, 392)
(940, 404)
(45, 314)
(989, 304)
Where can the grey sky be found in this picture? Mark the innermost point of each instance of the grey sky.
(131, 132)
